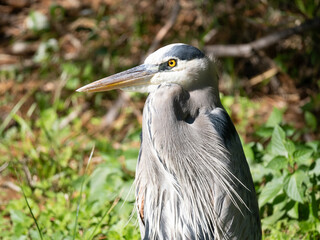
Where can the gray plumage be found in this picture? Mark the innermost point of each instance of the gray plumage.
(192, 178)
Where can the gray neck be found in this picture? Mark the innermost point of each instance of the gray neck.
(206, 97)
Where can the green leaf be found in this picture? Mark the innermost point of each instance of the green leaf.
(113, 235)
(302, 155)
(275, 118)
(65, 155)
(316, 169)
(278, 163)
(131, 164)
(104, 180)
(34, 234)
(314, 145)
(72, 83)
(290, 147)
(278, 142)
(24, 126)
(264, 132)
(273, 218)
(48, 118)
(258, 172)
(37, 21)
(248, 152)
(17, 216)
(294, 211)
(311, 120)
(270, 191)
(293, 185)
(128, 191)
(71, 69)
(314, 207)
(300, 5)
(307, 226)
(131, 153)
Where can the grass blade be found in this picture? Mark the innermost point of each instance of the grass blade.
(15, 109)
(115, 202)
(79, 199)
(29, 207)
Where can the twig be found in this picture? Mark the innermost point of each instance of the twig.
(210, 35)
(27, 173)
(60, 85)
(265, 75)
(113, 112)
(165, 29)
(4, 166)
(11, 185)
(248, 49)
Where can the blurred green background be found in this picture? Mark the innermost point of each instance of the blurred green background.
(50, 187)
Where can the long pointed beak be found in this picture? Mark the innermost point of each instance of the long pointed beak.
(136, 76)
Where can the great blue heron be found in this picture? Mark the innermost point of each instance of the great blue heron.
(192, 178)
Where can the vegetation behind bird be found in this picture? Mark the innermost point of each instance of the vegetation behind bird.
(47, 131)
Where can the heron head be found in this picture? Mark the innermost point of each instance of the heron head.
(175, 63)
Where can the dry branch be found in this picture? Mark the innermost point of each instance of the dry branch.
(27, 173)
(265, 75)
(4, 166)
(11, 186)
(114, 111)
(248, 49)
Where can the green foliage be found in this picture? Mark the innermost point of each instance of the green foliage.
(52, 152)
(288, 177)
(286, 173)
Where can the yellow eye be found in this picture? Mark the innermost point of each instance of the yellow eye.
(172, 63)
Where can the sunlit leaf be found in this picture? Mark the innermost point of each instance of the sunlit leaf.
(264, 132)
(290, 147)
(275, 118)
(101, 180)
(293, 185)
(278, 141)
(37, 21)
(45, 50)
(48, 118)
(294, 211)
(17, 216)
(72, 83)
(302, 156)
(314, 145)
(270, 191)
(131, 164)
(316, 169)
(273, 218)
(278, 163)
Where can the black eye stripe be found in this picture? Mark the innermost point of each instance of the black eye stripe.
(165, 65)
